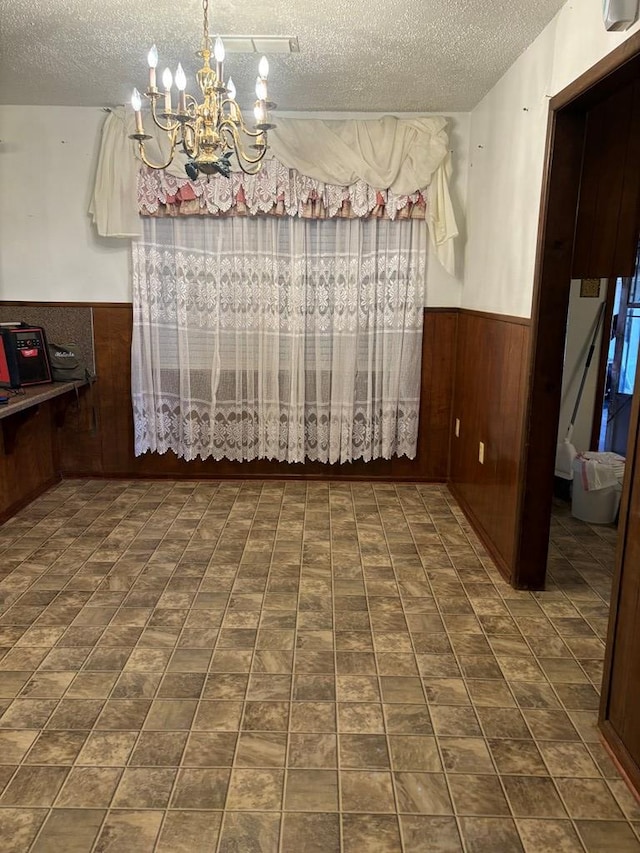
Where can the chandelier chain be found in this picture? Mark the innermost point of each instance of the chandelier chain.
(205, 9)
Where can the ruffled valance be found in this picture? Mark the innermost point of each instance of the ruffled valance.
(274, 190)
(399, 157)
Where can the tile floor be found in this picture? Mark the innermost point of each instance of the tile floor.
(302, 668)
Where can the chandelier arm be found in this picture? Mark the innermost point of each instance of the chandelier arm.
(190, 147)
(229, 127)
(168, 128)
(254, 134)
(157, 166)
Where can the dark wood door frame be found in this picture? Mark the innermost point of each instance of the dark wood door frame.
(552, 280)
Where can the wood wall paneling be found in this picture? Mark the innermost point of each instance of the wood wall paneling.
(28, 460)
(109, 451)
(489, 400)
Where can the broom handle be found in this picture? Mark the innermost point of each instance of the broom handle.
(587, 365)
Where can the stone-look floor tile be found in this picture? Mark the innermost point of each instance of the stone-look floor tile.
(122, 714)
(410, 752)
(423, 834)
(269, 687)
(478, 795)
(14, 745)
(366, 791)
(265, 716)
(209, 749)
(27, 713)
(422, 793)
(92, 685)
(250, 832)
(176, 714)
(551, 725)
(363, 751)
(521, 757)
(255, 790)
(446, 691)
(534, 696)
(311, 791)
(490, 693)
(408, 719)
(548, 836)
(312, 750)
(69, 830)
(357, 688)
(34, 786)
(361, 832)
(189, 832)
(200, 789)
(588, 799)
(53, 747)
(89, 787)
(360, 717)
(107, 749)
(313, 717)
(533, 796)
(625, 799)
(120, 827)
(404, 690)
(490, 835)
(272, 661)
(47, 685)
(313, 833)
(159, 749)
(221, 686)
(144, 788)
(606, 836)
(18, 828)
(465, 755)
(75, 714)
(454, 721)
(568, 759)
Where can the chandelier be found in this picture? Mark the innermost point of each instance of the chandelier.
(212, 131)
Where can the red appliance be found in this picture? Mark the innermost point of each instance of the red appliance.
(23, 356)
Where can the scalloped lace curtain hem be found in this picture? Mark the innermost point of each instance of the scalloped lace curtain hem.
(278, 338)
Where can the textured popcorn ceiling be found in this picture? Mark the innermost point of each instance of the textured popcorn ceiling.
(361, 55)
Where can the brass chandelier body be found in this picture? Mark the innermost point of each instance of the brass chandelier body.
(212, 131)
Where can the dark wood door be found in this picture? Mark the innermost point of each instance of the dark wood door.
(620, 708)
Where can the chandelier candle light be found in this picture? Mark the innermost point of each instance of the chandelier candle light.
(211, 132)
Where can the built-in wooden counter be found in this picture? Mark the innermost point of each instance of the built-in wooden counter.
(29, 461)
(26, 398)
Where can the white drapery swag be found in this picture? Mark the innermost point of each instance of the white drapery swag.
(278, 338)
(404, 156)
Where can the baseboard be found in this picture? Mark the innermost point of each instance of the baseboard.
(499, 561)
(351, 478)
(625, 765)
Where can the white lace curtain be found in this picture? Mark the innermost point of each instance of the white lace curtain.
(278, 338)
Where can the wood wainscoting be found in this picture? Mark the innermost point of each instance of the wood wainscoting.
(28, 457)
(490, 398)
(107, 450)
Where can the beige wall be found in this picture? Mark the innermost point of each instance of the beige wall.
(50, 251)
(507, 146)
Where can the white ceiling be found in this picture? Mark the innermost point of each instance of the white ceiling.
(355, 55)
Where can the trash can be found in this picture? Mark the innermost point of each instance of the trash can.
(597, 486)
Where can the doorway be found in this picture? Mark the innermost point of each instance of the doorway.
(589, 225)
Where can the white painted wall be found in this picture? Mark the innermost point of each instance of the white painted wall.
(580, 327)
(49, 248)
(507, 145)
